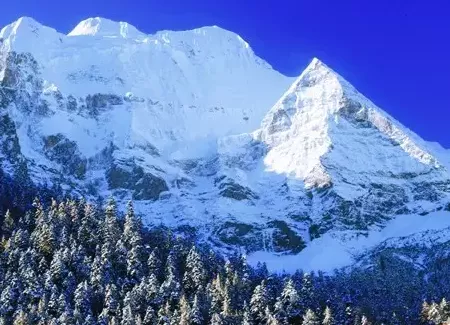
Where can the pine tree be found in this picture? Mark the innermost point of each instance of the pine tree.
(150, 316)
(444, 308)
(270, 319)
(185, 311)
(227, 309)
(327, 317)
(424, 312)
(128, 318)
(215, 293)
(247, 318)
(82, 301)
(216, 319)
(170, 288)
(58, 267)
(434, 314)
(111, 228)
(164, 314)
(288, 306)
(259, 302)
(8, 224)
(111, 303)
(87, 234)
(195, 274)
(21, 318)
(310, 318)
(365, 320)
(196, 313)
(154, 264)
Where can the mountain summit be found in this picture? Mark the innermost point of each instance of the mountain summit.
(205, 136)
(106, 28)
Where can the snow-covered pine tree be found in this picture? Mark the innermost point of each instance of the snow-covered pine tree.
(184, 311)
(328, 317)
(259, 302)
(195, 273)
(287, 307)
(310, 318)
(8, 225)
(82, 300)
(154, 264)
(150, 316)
(196, 312)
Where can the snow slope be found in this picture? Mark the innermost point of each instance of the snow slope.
(337, 250)
(188, 87)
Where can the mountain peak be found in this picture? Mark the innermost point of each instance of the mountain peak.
(322, 124)
(22, 24)
(103, 27)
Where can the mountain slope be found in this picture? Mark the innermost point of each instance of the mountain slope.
(182, 123)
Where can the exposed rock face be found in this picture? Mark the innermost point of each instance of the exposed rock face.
(65, 152)
(169, 120)
(144, 186)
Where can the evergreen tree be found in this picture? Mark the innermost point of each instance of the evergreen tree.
(170, 288)
(128, 318)
(111, 228)
(164, 314)
(259, 302)
(150, 316)
(8, 224)
(196, 313)
(327, 317)
(215, 293)
(111, 303)
(82, 301)
(287, 307)
(216, 319)
(185, 311)
(310, 318)
(247, 318)
(154, 264)
(21, 318)
(195, 274)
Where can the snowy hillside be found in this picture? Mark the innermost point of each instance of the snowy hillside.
(207, 138)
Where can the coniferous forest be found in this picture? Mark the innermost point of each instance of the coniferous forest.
(71, 262)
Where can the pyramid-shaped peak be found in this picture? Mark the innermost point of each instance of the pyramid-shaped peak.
(323, 121)
(104, 27)
(28, 32)
(23, 23)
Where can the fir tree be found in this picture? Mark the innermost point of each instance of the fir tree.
(8, 224)
(195, 274)
(327, 317)
(310, 318)
(185, 311)
(150, 316)
(196, 313)
(288, 306)
(82, 301)
(259, 302)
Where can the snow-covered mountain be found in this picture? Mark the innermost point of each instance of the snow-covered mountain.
(206, 137)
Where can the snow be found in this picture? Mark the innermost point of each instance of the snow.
(195, 86)
(103, 27)
(337, 250)
(190, 112)
(315, 134)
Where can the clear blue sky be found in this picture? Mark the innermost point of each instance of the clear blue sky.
(397, 52)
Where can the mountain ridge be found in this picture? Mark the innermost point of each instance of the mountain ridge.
(182, 123)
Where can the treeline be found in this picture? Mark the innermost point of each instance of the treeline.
(76, 263)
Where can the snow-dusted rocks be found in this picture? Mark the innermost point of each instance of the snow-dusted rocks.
(188, 124)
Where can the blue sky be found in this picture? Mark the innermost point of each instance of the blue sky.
(396, 52)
